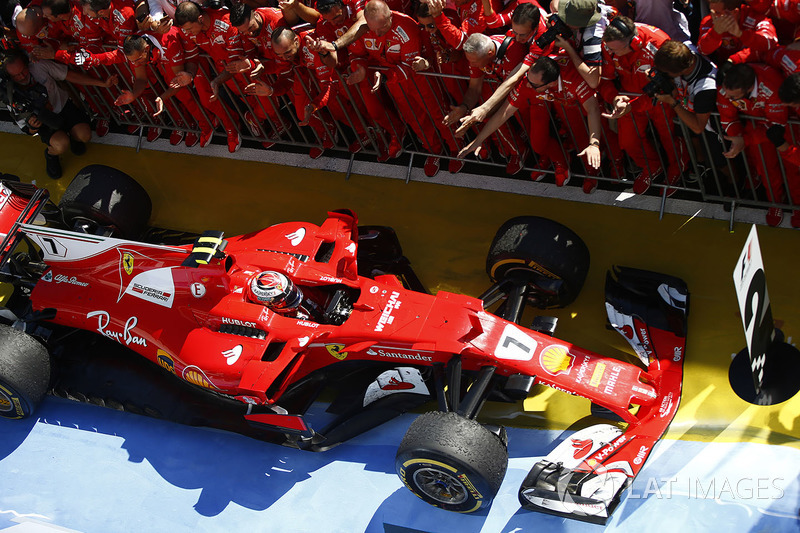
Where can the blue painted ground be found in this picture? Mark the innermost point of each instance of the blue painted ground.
(89, 469)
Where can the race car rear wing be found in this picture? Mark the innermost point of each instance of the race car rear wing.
(20, 204)
(585, 476)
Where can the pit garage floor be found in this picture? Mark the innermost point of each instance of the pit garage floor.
(725, 465)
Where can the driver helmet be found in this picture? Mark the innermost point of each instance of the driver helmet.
(275, 290)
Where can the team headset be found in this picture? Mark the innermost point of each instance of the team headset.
(636, 41)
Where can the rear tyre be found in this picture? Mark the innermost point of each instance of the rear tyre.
(24, 373)
(105, 196)
(549, 257)
(451, 462)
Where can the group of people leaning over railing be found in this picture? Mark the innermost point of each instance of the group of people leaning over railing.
(600, 80)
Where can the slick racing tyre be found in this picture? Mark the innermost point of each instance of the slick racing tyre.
(451, 462)
(105, 196)
(24, 373)
(546, 255)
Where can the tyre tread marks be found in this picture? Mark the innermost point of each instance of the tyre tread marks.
(24, 370)
(459, 442)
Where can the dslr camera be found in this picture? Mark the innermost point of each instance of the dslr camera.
(659, 83)
(556, 27)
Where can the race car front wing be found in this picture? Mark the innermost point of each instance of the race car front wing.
(585, 476)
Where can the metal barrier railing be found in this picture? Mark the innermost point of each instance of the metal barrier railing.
(709, 178)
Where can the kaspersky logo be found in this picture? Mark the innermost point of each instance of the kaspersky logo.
(556, 359)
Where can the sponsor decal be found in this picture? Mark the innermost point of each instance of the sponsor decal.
(221, 25)
(386, 316)
(296, 237)
(5, 400)
(556, 359)
(370, 43)
(677, 354)
(414, 356)
(307, 324)
(666, 406)
(605, 452)
(335, 350)
(165, 361)
(597, 375)
(556, 387)
(581, 447)
(612, 380)
(373, 289)
(48, 277)
(154, 286)
(235, 322)
(124, 337)
(233, 354)
(71, 280)
(127, 263)
(264, 315)
(351, 248)
(640, 455)
(470, 487)
(198, 290)
(583, 369)
(330, 279)
(302, 341)
(193, 374)
(401, 379)
(119, 17)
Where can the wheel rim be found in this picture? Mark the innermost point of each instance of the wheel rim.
(440, 486)
(5, 402)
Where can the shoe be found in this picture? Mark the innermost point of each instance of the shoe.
(253, 125)
(514, 165)
(329, 142)
(191, 139)
(77, 147)
(618, 167)
(775, 216)
(102, 128)
(395, 148)
(454, 166)
(205, 138)
(795, 220)
(589, 185)
(52, 165)
(538, 175)
(431, 166)
(562, 174)
(484, 154)
(642, 182)
(234, 141)
(674, 174)
(132, 129)
(267, 145)
(153, 133)
(176, 137)
(316, 152)
(359, 144)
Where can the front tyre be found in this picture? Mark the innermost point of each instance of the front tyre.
(24, 373)
(451, 462)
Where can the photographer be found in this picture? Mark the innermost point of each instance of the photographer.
(628, 51)
(40, 107)
(694, 95)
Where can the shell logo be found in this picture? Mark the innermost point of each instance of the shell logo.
(556, 359)
(192, 374)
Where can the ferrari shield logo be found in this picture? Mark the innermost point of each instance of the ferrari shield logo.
(333, 349)
(127, 263)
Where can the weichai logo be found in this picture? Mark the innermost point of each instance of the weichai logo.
(556, 359)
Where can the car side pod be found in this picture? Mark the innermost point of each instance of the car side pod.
(585, 476)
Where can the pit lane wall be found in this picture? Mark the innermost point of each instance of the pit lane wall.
(709, 177)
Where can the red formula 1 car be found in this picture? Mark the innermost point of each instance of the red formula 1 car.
(246, 332)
